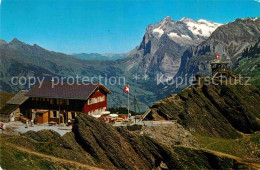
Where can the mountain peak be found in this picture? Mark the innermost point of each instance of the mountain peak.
(16, 41)
(167, 18)
(185, 19)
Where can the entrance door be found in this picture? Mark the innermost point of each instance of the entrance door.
(39, 118)
(61, 118)
(45, 117)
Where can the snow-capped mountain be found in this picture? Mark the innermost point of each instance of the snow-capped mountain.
(185, 31)
(201, 27)
(164, 43)
(229, 41)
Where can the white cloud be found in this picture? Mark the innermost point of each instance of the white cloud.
(257, 1)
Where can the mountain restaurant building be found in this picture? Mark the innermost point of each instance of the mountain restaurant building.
(60, 102)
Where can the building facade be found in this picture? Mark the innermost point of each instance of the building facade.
(62, 102)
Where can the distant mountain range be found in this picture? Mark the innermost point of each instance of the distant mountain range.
(171, 48)
(97, 56)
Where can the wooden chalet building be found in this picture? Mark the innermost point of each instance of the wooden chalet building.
(51, 102)
(14, 107)
(63, 101)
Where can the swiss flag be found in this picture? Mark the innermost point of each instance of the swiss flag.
(217, 56)
(126, 89)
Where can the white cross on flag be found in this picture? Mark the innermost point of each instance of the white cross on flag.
(126, 89)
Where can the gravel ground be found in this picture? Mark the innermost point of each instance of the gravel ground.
(170, 135)
(19, 127)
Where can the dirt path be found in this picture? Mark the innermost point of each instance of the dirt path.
(221, 154)
(53, 158)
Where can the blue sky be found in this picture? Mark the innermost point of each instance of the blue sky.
(74, 26)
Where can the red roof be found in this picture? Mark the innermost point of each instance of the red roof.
(65, 90)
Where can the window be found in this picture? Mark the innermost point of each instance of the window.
(54, 113)
(51, 101)
(73, 115)
(102, 98)
(67, 102)
(89, 101)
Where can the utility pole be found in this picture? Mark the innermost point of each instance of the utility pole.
(59, 109)
(135, 108)
(129, 115)
(136, 105)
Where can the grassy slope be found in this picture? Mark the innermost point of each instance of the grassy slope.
(17, 152)
(15, 157)
(4, 97)
(249, 64)
(250, 67)
(247, 147)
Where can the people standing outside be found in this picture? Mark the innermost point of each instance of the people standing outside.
(26, 126)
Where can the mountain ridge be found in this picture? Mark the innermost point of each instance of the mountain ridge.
(228, 41)
(163, 44)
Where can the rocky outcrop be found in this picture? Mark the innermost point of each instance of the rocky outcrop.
(119, 148)
(215, 110)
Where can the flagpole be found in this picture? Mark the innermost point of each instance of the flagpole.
(128, 107)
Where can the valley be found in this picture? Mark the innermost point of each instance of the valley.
(169, 48)
(129, 85)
